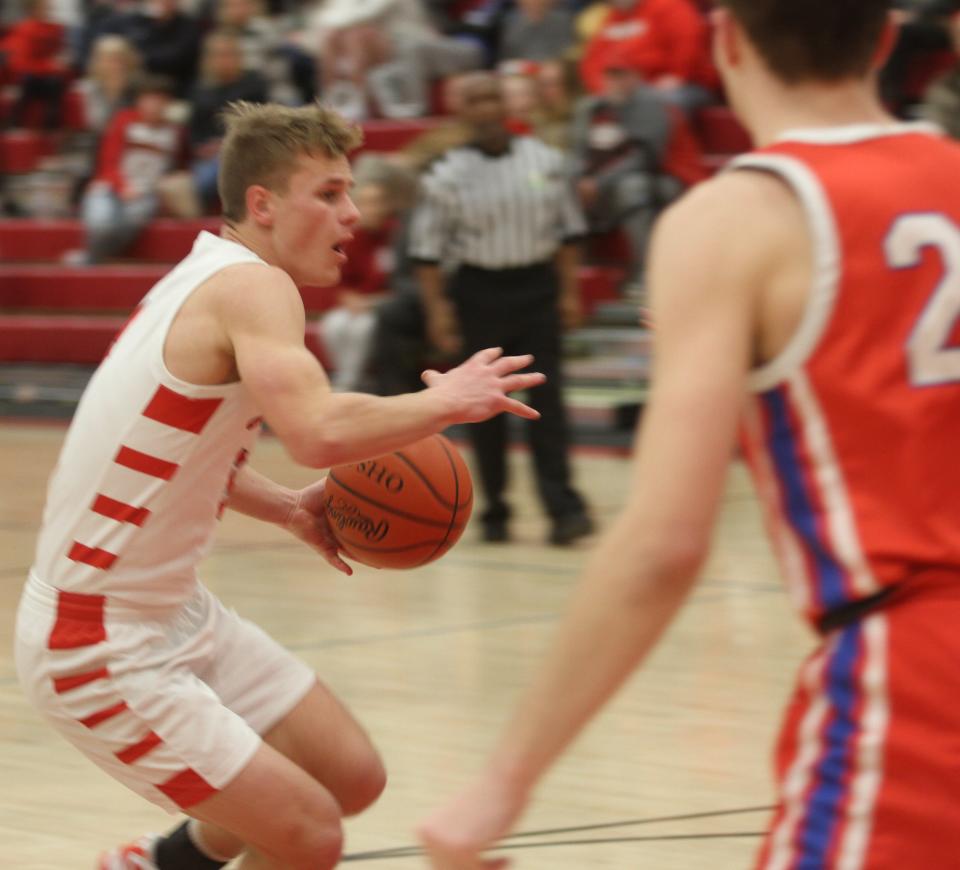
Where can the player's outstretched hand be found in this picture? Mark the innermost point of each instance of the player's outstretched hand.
(455, 835)
(308, 521)
(479, 388)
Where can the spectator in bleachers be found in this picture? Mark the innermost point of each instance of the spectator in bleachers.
(527, 113)
(348, 329)
(33, 53)
(558, 85)
(537, 30)
(942, 101)
(668, 42)
(388, 52)
(140, 145)
(223, 80)
(521, 100)
(451, 132)
(923, 41)
(110, 81)
(265, 48)
(166, 38)
(631, 155)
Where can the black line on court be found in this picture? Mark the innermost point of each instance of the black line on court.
(416, 852)
(412, 851)
(654, 820)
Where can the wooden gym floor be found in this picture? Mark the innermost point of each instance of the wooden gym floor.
(431, 660)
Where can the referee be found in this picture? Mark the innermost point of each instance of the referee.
(501, 210)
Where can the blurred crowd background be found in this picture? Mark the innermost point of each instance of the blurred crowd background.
(125, 96)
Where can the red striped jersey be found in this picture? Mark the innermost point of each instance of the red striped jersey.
(852, 432)
(133, 502)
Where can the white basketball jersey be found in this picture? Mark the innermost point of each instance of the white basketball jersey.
(148, 460)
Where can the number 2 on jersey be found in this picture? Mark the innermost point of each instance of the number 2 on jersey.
(931, 360)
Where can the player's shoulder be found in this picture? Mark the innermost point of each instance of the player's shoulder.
(733, 208)
(251, 292)
(728, 237)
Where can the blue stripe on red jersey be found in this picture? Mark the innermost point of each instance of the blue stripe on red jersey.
(800, 505)
(831, 782)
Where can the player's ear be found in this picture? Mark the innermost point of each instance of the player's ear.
(727, 36)
(888, 40)
(260, 205)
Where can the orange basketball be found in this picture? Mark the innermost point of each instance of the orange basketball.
(401, 510)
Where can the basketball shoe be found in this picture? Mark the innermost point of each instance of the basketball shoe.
(137, 855)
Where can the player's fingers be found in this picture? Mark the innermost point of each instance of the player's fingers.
(488, 355)
(329, 550)
(522, 382)
(429, 377)
(507, 364)
(333, 558)
(512, 406)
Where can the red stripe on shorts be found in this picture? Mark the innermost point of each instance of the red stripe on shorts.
(79, 621)
(95, 719)
(145, 463)
(93, 556)
(138, 750)
(119, 511)
(187, 788)
(65, 684)
(180, 412)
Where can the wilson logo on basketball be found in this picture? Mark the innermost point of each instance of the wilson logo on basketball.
(378, 473)
(344, 515)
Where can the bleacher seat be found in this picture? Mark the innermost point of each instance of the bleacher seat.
(55, 313)
(22, 150)
(164, 241)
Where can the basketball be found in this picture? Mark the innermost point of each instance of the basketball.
(401, 510)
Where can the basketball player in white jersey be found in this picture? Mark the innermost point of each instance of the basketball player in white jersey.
(118, 645)
(808, 297)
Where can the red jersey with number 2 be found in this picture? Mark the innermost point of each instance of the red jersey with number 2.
(853, 432)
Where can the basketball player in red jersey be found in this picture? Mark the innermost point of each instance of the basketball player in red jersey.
(119, 646)
(809, 296)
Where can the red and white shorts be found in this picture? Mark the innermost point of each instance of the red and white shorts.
(868, 762)
(171, 704)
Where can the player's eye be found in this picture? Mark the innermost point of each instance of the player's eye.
(329, 195)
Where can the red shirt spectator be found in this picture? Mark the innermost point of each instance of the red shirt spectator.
(138, 148)
(33, 47)
(369, 259)
(665, 38)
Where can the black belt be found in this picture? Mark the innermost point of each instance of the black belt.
(846, 614)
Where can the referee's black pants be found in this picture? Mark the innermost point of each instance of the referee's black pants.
(517, 309)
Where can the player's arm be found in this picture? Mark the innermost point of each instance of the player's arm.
(708, 263)
(299, 511)
(263, 320)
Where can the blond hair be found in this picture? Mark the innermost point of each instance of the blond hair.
(264, 143)
(112, 44)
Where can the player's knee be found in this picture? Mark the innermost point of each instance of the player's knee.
(309, 845)
(367, 782)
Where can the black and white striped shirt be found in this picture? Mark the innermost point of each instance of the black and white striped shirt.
(496, 212)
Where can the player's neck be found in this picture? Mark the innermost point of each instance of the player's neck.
(248, 236)
(771, 109)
